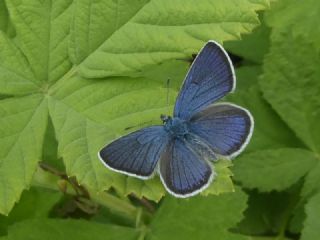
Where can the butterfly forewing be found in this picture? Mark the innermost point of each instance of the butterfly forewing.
(210, 78)
(225, 127)
(136, 154)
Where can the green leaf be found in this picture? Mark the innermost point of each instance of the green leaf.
(199, 217)
(222, 182)
(34, 203)
(292, 89)
(42, 34)
(269, 238)
(253, 46)
(4, 18)
(275, 169)
(22, 127)
(52, 229)
(311, 185)
(298, 217)
(149, 32)
(270, 132)
(291, 14)
(95, 21)
(36, 77)
(50, 148)
(265, 214)
(15, 76)
(311, 228)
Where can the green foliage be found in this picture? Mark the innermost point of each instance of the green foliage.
(199, 217)
(267, 168)
(311, 225)
(39, 68)
(68, 229)
(76, 74)
(149, 31)
(22, 126)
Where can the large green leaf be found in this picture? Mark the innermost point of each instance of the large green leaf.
(68, 229)
(311, 225)
(42, 33)
(96, 21)
(15, 75)
(253, 46)
(4, 18)
(266, 213)
(291, 85)
(36, 63)
(22, 127)
(34, 203)
(291, 82)
(199, 217)
(311, 185)
(275, 169)
(291, 14)
(150, 32)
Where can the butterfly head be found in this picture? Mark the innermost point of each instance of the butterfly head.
(175, 126)
(164, 118)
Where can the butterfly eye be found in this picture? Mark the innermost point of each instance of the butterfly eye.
(164, 118)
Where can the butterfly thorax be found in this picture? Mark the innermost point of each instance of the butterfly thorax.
(175, 126)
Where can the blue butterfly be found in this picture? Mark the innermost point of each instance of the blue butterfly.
(198, 132)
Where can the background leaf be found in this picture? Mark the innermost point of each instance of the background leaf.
(129, 49)
(273, 169)
(22, 127)
(16, 76)
(67, 229)
(199, 217)
(42, 35)
(311, 225)
(151, 33)
(34, 203)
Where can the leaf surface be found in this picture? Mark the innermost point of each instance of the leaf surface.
(42, 33)
(22, 127)
(311, 228)
(157, 30)
(199, 217)
(273, 169)
(52, 229)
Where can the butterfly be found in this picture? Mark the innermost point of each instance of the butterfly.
(181, 150)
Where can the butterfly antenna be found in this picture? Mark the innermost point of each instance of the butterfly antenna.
(168, 85)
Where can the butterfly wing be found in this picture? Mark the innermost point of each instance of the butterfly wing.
(137, 153)
(210, 77)
(225, 127)
(182, 171)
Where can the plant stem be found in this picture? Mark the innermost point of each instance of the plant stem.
(115, 204)
(47, 177)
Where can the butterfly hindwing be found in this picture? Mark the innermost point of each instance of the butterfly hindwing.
(137, 153)
(182, 171)
(210, 77)
(225, 127)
